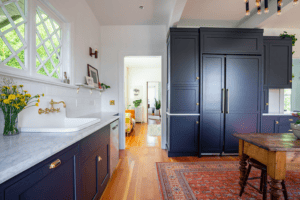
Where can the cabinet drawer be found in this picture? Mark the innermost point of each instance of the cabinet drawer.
(287, 120)
(46, 183)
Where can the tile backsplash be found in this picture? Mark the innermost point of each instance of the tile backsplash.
(79, 104)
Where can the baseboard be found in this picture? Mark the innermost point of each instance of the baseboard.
(181, 154)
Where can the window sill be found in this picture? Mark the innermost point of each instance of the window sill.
(36, 79)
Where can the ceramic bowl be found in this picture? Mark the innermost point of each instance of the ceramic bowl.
(296, 129)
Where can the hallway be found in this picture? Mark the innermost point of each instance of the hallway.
(136, 177)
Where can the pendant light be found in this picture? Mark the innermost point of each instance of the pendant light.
(266, 6)
(247, 7)
(258, 5)
(279, 3)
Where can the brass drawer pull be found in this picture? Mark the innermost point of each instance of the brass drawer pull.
(267, 104)
(291, 81)
(99, 158)
(197, 122)
(55, 164)
(291, 120)
(197, 78)
(277, 122)
(197, 104)
(290, 130)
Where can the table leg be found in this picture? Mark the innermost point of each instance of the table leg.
(275, 189)
(243, 170)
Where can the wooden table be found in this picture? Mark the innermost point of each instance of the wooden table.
(270, 149)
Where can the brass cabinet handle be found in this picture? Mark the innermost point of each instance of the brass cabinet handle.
(291, 120)
(197, 104)
(197, 78)
(291, 81)
(223, 99)
(55, 164)
(227, 100)
(267, 104)
(277, 122)
(99, 158)
(197, 122)
(290, 130)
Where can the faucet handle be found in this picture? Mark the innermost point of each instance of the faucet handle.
(58, 110)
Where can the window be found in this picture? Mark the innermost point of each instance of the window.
(48, 45)
(12, 26)
(287, 100)
(25, 22)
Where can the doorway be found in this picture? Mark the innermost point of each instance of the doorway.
(141, 72)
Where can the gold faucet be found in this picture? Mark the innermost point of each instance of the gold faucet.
(52, 109)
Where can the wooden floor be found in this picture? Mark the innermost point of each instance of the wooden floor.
(136, 177)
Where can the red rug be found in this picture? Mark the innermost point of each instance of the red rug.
(215, 180)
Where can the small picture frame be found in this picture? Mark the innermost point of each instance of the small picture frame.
(89, 81)
(93, 73)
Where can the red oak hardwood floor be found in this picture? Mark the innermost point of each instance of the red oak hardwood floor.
(136, 177)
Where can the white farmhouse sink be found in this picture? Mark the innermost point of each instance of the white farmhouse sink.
(66, 125)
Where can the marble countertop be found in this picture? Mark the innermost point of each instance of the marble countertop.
(21, 152)
(272, 141)
(277, 114)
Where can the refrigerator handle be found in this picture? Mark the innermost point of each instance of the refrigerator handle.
(223, 100)
(227, 100)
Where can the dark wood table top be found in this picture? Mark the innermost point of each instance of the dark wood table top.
(272, 141)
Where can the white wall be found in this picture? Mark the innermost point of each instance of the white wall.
(84, 33)
(120, 41)
(140, 77)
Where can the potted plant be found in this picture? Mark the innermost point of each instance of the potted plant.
(157, 107)
(137, 103)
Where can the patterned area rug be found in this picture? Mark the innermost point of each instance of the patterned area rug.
(215, 180)
(154, 129)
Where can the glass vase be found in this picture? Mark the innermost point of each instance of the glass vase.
(11, 123)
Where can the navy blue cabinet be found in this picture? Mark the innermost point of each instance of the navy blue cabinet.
(81, 171)
(278, 62)
(231, 93)
(231, 41)
(46, 183)
(265, 101)
(183, 137)
(183, 71)
(277, 124)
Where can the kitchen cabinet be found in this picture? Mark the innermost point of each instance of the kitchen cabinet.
(44, 182)
(277, 124)
(80, 171)
(183, 135)
(231, 41)
(231, 93)
(94, 164)
(278, 62)
(184, 57)
(265, 101)
(185, 100)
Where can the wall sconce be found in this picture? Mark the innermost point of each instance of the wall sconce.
(91, 53)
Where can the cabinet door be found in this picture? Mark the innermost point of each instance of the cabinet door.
(243, 83)
(185, 99)
(183, 135)
(265, 100)
(212, 123)
(185, 59)
(269, 124)
(266, 62)
(283, 125)
(46, 183)
(280, 70)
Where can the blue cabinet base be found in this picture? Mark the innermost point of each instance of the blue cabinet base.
(182, 154)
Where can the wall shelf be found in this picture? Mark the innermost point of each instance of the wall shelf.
(88, 87)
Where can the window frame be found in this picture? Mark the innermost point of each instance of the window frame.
(29, 72)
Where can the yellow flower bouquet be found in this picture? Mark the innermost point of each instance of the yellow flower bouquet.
(13, 100)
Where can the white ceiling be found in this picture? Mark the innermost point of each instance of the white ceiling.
(288, 19)
(142, 62)
(127, 12)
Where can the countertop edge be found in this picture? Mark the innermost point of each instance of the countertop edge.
(15, 170)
